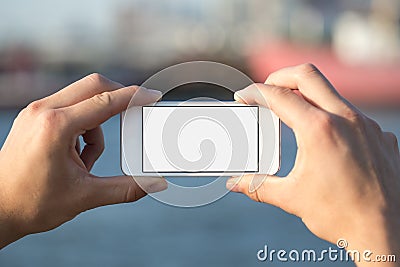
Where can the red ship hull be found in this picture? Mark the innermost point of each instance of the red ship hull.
(369, 85)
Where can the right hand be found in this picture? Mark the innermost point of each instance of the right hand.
(346, 179)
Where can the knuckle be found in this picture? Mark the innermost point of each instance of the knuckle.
(373, 124)
(97, 79)
(34, 107)
(103, 99)
(131, 194)
(324, 122)
(353, 116)
(306, 69)
(51, 119)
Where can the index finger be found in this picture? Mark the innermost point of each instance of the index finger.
(80, 90)
(312, 84)
(92, 112)
(288, 106)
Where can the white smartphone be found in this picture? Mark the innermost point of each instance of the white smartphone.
(199, 138)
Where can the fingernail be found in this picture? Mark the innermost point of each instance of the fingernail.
(160, 184)
(236, 96)
(232, 184)
(154, 92)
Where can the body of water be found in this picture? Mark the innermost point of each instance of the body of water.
(228, 232)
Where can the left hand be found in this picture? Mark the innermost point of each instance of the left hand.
(45, 179)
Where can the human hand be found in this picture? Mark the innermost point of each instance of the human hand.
(45, 178)
(346, 179)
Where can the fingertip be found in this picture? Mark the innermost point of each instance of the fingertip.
(157, 94)
(114, 84)
(158, 186)
(143, 96)
(152, 184)
(253, 94)
(237, 97)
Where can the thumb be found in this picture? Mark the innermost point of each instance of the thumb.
(272, 190)
(120, 189)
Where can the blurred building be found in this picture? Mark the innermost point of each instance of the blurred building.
(130, 40)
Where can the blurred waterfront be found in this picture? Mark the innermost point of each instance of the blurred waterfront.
(49, 45)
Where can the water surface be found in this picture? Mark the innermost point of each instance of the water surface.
(228, 232)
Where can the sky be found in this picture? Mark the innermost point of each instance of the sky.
(24, 20)
(53, 23)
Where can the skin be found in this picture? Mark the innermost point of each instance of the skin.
(345, 182)
(36, 199)
(346, 179)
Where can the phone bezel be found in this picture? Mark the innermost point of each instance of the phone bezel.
(263, 111)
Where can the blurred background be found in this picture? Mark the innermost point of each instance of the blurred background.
(48, 44)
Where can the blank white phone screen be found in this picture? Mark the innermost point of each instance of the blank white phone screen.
(210, 139)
